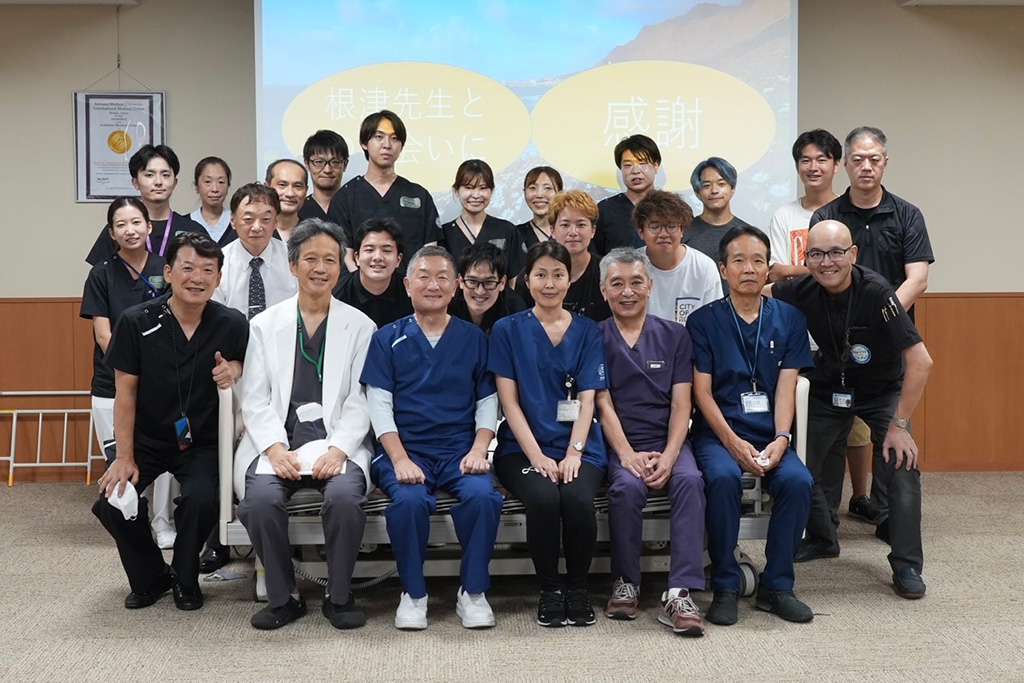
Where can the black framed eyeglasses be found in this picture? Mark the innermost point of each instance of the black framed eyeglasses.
(834, 255)
(489, 285)
(318, 164)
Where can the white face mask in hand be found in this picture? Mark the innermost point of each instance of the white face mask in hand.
(127, 503)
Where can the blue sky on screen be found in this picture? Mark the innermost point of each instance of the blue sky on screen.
(553, 37)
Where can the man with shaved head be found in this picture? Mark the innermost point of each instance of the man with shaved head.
(865, 340)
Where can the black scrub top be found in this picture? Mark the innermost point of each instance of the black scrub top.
(410, 204)
(615, 225)
(310, 209)
(383, 310)
(307, 387)
(105, 245)
(508, 303)
(584, 296)
(110, 289)
(879, 332)
(497, 231)
(142, 345)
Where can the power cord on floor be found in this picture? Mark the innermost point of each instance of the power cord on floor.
(369, 583)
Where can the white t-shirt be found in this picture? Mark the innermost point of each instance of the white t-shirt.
(677, 293)
(787, 233)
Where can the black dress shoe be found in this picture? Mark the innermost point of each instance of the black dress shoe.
(908, 583)
(270, 618)
(187, 598)
(810, 551)
(213, 558)
(783, 604)
(163, 584)
(344, 616)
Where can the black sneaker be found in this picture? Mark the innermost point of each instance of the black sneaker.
(270, 618)
(344, 616)
(807, 552)
(908, 583)
(783, 604)
(723, 610)
(864, 509)
(551, 610)
(162, 584)
(578, 609)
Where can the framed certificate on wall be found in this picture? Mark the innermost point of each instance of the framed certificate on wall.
(109, 128)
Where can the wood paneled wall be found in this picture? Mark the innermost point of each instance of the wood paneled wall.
(965, 422)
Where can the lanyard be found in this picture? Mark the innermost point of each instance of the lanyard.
(155, 292)
(318, 364)
(541, 231)
(469, 229)
(183, 405)
(846, 337)
(752, 364)
(167, 233)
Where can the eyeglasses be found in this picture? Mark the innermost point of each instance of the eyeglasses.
(489, 285)
(670, 228)
(318, 164)
(834, 255)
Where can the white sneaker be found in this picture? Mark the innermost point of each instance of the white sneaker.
(473, 609)
(164, 534)
(411, 613)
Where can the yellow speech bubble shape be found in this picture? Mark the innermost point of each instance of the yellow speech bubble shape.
(691, 111)
(451, 114)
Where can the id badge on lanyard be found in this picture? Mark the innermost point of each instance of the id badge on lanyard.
(752, 401)
(569, 409)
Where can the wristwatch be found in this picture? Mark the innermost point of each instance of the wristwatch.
(577, 445)
(901, 422)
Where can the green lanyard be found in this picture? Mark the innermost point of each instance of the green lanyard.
(318, 364)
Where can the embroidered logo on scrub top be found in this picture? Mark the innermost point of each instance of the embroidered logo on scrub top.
(600, 371)
(860, 353)
(409, 202)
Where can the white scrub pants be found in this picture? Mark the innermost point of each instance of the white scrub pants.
(164, 489)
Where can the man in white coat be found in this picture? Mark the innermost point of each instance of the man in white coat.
(307, 426)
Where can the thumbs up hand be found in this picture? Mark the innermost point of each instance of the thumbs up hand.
(225, 372)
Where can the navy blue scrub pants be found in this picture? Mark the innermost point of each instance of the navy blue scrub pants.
(789, 483)
(475, 516)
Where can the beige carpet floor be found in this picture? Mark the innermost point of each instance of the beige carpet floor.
(62, 587)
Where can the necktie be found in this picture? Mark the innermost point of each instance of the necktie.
(257, 293)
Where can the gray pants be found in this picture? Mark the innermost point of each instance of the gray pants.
(265, 517)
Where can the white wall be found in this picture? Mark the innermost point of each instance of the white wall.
(945, 84)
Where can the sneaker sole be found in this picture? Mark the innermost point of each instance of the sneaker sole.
(410, 625)
(620, 615)
(552, 624)
(485, 623)
(591, 622)
(692, 631)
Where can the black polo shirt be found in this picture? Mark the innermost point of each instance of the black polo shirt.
(311, 209)
(584, 295)
(110, 290)
(888, 236)
(497, 231)
(384, 309)
(410, 204)
(615, 225)
(105, 245)
(507, 304)
(142, 345)
(879, 332)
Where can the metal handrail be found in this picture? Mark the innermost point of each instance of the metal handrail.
(40, 413)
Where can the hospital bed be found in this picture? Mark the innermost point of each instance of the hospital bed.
(444, 554)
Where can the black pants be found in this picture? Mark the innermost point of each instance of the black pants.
(897, 492)
(196, 514)
(556, 514)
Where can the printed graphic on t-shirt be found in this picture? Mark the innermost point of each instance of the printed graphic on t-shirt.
(798, 246)
(685, 305)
